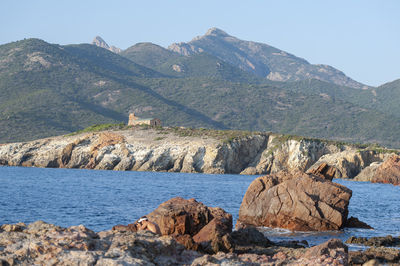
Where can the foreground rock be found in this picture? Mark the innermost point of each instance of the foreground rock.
(192, 224)
(45, 244)
(385, 241)
(375, 256)
(383, 250)
(295, 201)
(40, 243)
(329, 250)
(388, 171)
(353, 222)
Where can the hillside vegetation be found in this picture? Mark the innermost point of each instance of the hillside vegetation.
(48, 89)
(261, 59)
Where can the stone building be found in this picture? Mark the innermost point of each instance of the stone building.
(134, 121)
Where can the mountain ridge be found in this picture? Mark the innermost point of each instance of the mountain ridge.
(50, 89)
(262, 59)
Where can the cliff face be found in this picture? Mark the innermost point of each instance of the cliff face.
(152, 150)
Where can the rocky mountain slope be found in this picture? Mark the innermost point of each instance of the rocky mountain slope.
(48, 89)
(98, 41)
(384, 98)
(261, 59)
(190, 151)
(176, 65)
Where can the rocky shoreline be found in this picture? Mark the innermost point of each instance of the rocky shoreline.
(187, 232)
(203, 151)
(40, 243)
(297, 194)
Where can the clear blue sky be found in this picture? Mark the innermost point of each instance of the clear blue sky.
(359, 37)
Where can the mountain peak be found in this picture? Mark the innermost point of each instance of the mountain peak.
(216, 32)
(261, 59)
(100, 42)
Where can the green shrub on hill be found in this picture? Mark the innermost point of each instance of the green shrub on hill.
(49, 89)
(101, 127)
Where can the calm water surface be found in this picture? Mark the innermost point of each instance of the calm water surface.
(101, 199)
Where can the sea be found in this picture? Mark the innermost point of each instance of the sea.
(99, 199)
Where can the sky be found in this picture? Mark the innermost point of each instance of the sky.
(359, 37)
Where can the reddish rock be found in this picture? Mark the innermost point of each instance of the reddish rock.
(324, 171)
(187, 241)
(295, 201)
(368, 172)
(215, 227)
(125, 228)
(179, 216)
(250, 237)
(215, 237)
(353, 222)
(388, 171)
(192, 224)
(375, 256)
(332, 248)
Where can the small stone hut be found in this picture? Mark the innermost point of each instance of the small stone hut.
(134, 121)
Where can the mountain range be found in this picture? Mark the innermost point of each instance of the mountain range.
(214, 81)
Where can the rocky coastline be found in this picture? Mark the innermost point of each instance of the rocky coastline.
(191, 233)
(204, 237)
(40, 243)
(297, 194)
(202, 151)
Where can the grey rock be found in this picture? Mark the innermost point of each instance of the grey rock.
(98, 41)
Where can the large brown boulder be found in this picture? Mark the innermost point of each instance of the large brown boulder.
(192, 224)
(296, 201)
(215, 236)
(388, 171)
(179, 216)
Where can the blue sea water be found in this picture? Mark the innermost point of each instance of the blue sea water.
(100, 199)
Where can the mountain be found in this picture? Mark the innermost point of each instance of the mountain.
(149, 54)
(175, 65)
(385, 97)
(261, 59)
(49, 89)
(98, 41)
(286, 110)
